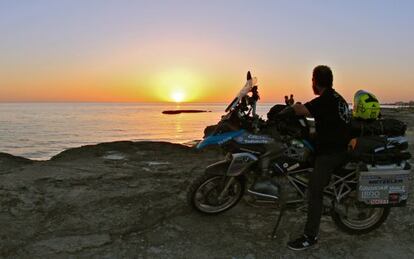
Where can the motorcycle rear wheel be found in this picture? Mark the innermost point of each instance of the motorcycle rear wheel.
(203, 194)
(365, 219)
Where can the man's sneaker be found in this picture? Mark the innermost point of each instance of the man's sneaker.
(302, 243)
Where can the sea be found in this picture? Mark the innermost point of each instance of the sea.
(41, 130)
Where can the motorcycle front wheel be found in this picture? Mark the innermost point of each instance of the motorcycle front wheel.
(206, 194)
(360, 219)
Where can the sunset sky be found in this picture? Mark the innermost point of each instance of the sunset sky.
(152, 51)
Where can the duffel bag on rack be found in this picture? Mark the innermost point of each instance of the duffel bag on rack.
(379, 150)
(387, 127)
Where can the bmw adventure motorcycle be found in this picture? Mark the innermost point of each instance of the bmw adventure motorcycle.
(358, 197)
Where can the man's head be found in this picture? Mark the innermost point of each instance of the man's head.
(322, 79)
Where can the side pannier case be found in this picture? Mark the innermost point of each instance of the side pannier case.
(384, 184)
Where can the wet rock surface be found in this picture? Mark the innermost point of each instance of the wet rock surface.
(128, 200)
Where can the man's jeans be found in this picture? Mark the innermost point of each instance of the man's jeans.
(325, 165)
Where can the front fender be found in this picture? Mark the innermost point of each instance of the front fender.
(218, 168)
(240, 163)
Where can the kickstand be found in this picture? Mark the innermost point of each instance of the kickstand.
(279, 218)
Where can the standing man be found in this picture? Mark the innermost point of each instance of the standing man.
(332, 120)
(291, 100)
(286, 100)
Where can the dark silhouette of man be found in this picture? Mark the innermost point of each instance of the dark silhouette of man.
(286, 100)
(291, 100)
(332, 120)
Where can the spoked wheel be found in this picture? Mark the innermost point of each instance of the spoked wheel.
(207, 194)
(357, 218)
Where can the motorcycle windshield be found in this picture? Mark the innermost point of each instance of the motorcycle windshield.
(243, 92)
(247, 87)
(219, 139)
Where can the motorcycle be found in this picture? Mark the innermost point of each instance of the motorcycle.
(358, 197)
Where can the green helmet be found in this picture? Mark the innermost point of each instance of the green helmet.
(366, 106)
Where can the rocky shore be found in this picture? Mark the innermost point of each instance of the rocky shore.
(127, 200)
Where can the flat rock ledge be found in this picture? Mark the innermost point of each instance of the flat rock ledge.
(128, 200)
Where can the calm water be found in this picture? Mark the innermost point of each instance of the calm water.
(42, 130)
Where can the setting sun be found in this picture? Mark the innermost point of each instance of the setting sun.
(177, 85)
(178, 96)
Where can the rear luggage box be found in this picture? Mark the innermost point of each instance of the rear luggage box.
(384, 185)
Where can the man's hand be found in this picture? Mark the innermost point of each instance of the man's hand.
(301, 110)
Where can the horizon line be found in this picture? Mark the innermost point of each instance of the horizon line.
(159, 102)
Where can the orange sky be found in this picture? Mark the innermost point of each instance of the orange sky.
(136, 83)
(146, 52)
